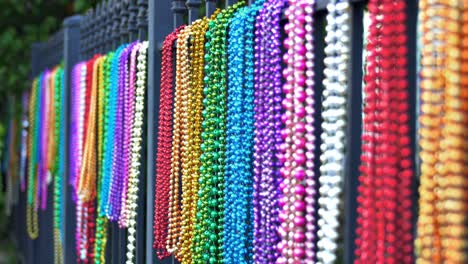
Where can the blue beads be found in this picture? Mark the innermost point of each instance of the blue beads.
(238, 225)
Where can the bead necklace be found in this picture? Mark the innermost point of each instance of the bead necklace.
(268, 107)
(58, 168)
(267, 125)
(118, 173)
(179, 142)
(297, 228)
(42, 141)
(164, 146)
(80, 235)
(238, 235)
(32, 225)
(442, 206)
(89, 166)
(191, 161)
(136, 146)
(75, 126)
(101, 221)
(110, 132)
(384, 215)
(210, 208)
(334, 128)
(129, 115)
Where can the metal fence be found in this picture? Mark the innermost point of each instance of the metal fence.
(115, 22)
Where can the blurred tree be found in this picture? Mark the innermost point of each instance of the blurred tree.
(23, 22)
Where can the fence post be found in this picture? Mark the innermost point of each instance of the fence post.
(353, 144)
(193, 10)
(124, 34)
(159, 27)
(210, 7)
(230, 3)
(132, 20)
(142, 19)
(178, 8)
(71, 47)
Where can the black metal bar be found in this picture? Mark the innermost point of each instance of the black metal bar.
(413, 101)
(353, 144)
(98, 28)
(141, 202)
(124, 34)
(158, 29)
(132, 20)
(179, 9)
(71, 45)
(143, 19)
(193, 10)
(115, 24)
(210, 7)
(109, 24)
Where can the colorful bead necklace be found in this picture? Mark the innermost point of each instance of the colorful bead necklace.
(191, 162)
(210, 208)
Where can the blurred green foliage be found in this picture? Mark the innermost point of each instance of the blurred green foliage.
(23, 22)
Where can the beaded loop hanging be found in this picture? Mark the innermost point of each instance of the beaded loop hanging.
(164, 146)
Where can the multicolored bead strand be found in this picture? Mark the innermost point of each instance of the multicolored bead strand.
(210, 207)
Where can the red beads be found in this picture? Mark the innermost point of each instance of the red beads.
(384, 218)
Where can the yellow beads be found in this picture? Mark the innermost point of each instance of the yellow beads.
(443, 205)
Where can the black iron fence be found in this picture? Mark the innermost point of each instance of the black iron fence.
(116, 22)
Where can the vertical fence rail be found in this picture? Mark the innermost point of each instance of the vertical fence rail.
(353, 144)
(71, 45)
(158, 28)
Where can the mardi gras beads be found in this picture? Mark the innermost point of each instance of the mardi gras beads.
(334, 129)
(164, 146)
(136, 148)
(179, 142)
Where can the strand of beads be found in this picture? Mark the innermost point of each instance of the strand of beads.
(129, 115)
(238, 227)
(267, 123)
(179, 139)
(31, 213)
(210, 207)
(164, 146)
(298, 185)
(58, 171)
(101, 221)
(110, 132)
(136, 147)
(334, 129)
(118, 174)
(191, 162)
